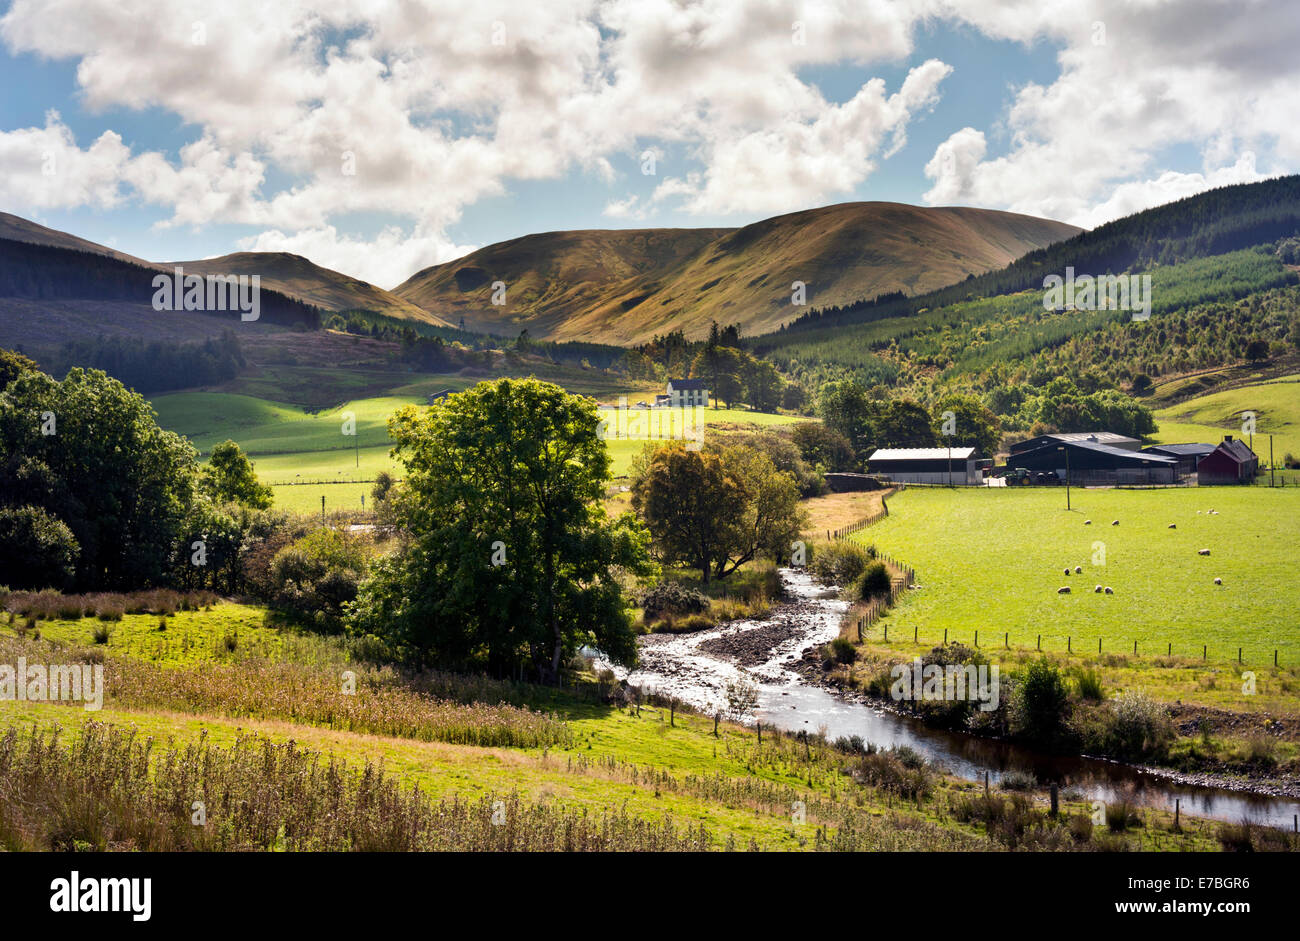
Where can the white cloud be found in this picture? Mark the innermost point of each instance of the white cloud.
(442, 103)
(1136, 80)
(439, 104)
(386, 260)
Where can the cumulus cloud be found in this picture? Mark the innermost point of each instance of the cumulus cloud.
(305, 113)
(1135, 81)
(418, 110)
(386, 260)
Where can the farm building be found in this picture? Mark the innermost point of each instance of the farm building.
(1091, 463)
(1187, 455)
(685, 392)
(1108, 438)
(1232, 462)
(928, 465)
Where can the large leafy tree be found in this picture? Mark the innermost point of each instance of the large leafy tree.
(229, 478)
(715, 510)
(846, 407)
(974, 425)
(690, 503)
(904, 424)
(508, 555)
(89, 452)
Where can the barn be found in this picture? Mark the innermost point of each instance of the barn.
(1187, 455)
(958, 466)
(1092, 463)
(1232, 462)
(1108, 438)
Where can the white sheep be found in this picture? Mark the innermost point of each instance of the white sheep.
(1109, 590)
(1087, 522)
(1173, 525)
(1097, 590)
(1063, 591)
(1202, 551)
(1114, 522)
(1067, 571)
(1218, 581)
(1078, 570)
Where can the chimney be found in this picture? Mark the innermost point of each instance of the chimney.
(1227, 438)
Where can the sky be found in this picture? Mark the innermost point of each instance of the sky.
(378, 137)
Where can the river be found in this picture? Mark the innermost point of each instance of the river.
(695, 668)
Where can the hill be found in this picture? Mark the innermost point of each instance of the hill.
(1216, 222)
(628, 285)
(291, 275)
(18, 229)
(298, 277)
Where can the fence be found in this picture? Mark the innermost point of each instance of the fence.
(845, 531)
(902, 578)
(318, 481)
(1064, 644)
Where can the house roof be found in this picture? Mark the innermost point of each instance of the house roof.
(1070, 437)
(1179, 449)
(1236, 449)
(921, 454)
(1102, 449)
(687, 384)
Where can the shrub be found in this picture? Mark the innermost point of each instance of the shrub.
(1134, 726)
(1041, 704)
(100, 633)
(672, 598)
(1017, 780)
(1089, 683)
(839, 562)
(874, 582)
(313, 577)
(37, 549)
(843, 651)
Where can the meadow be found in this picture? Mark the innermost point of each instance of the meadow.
(305, 455)
(992, 560)
(1276, 404)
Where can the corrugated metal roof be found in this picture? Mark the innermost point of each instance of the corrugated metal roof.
(1101, 449)
(920, 454)
(1179, 449)
(1097, 437)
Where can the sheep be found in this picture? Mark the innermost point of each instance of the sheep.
(1114, 522)
(1067, 571)
(1218, 581)
(1078, 570)
(1097, 590)
(1173, 525)
(1063, 591)
(1109, 590)
(1202, 551)
(1087, 522)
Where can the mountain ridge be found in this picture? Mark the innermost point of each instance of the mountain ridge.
(842, 253)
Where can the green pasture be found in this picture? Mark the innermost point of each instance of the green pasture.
(1208, 418)
(306, 455)
(991, 560)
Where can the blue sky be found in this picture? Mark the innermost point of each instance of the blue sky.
(183, 132)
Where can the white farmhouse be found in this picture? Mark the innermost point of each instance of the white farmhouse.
(687, 392)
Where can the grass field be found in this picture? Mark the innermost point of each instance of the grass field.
(991, 560)
(645, 762)
(1276, 404)
(289, 444)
